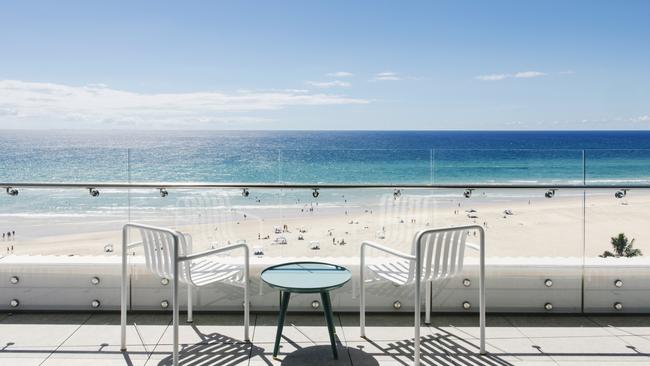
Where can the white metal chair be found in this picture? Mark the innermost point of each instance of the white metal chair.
(436, 255)
(168, 253)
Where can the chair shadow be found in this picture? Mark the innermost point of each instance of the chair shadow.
(216, 349)
(443, 348)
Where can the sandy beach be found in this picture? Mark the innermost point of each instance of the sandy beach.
(532, 226)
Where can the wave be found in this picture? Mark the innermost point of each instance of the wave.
(46, 215)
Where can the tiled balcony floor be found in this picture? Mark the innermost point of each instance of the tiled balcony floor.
(215, 339)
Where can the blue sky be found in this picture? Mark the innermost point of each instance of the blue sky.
(325, 65)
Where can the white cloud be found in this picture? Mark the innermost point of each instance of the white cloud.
(4, 111)
(492, 77)
(593, 123)
(387, 76)
(329, 84)
(516, 75)
(341, 74)
(94, 105)
(528, 74)
(644, 118)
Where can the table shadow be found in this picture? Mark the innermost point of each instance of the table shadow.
(322, 356)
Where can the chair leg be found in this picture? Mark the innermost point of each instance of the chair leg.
(246, 311)
(124, 290)
(175, 311)
(427, 301)
(190, 317)
(416, 338)
(362, 301)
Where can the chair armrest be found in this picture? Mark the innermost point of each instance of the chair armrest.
(473, 246)
(386, 249)
(214, 251)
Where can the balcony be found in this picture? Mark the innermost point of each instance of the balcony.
(550, 297)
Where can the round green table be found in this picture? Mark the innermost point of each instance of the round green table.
(306, 278)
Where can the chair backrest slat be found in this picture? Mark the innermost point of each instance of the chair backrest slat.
(461, 252)
(437, 267)
(442, 253)
(158, 246)
(400, 216)
(428, 255)
(446, 251)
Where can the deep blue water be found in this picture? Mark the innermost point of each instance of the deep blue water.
(326, 157)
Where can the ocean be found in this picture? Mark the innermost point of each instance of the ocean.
(398, 157)
(326, 156)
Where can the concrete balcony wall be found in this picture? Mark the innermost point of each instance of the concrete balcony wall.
(513, 285)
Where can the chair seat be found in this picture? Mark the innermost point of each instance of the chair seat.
(206, 271)
(396, 272)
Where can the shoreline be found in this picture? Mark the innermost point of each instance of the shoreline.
(543, 227)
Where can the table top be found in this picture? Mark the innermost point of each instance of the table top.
(306, 277)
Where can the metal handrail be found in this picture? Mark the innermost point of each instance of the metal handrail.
(181, 185)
